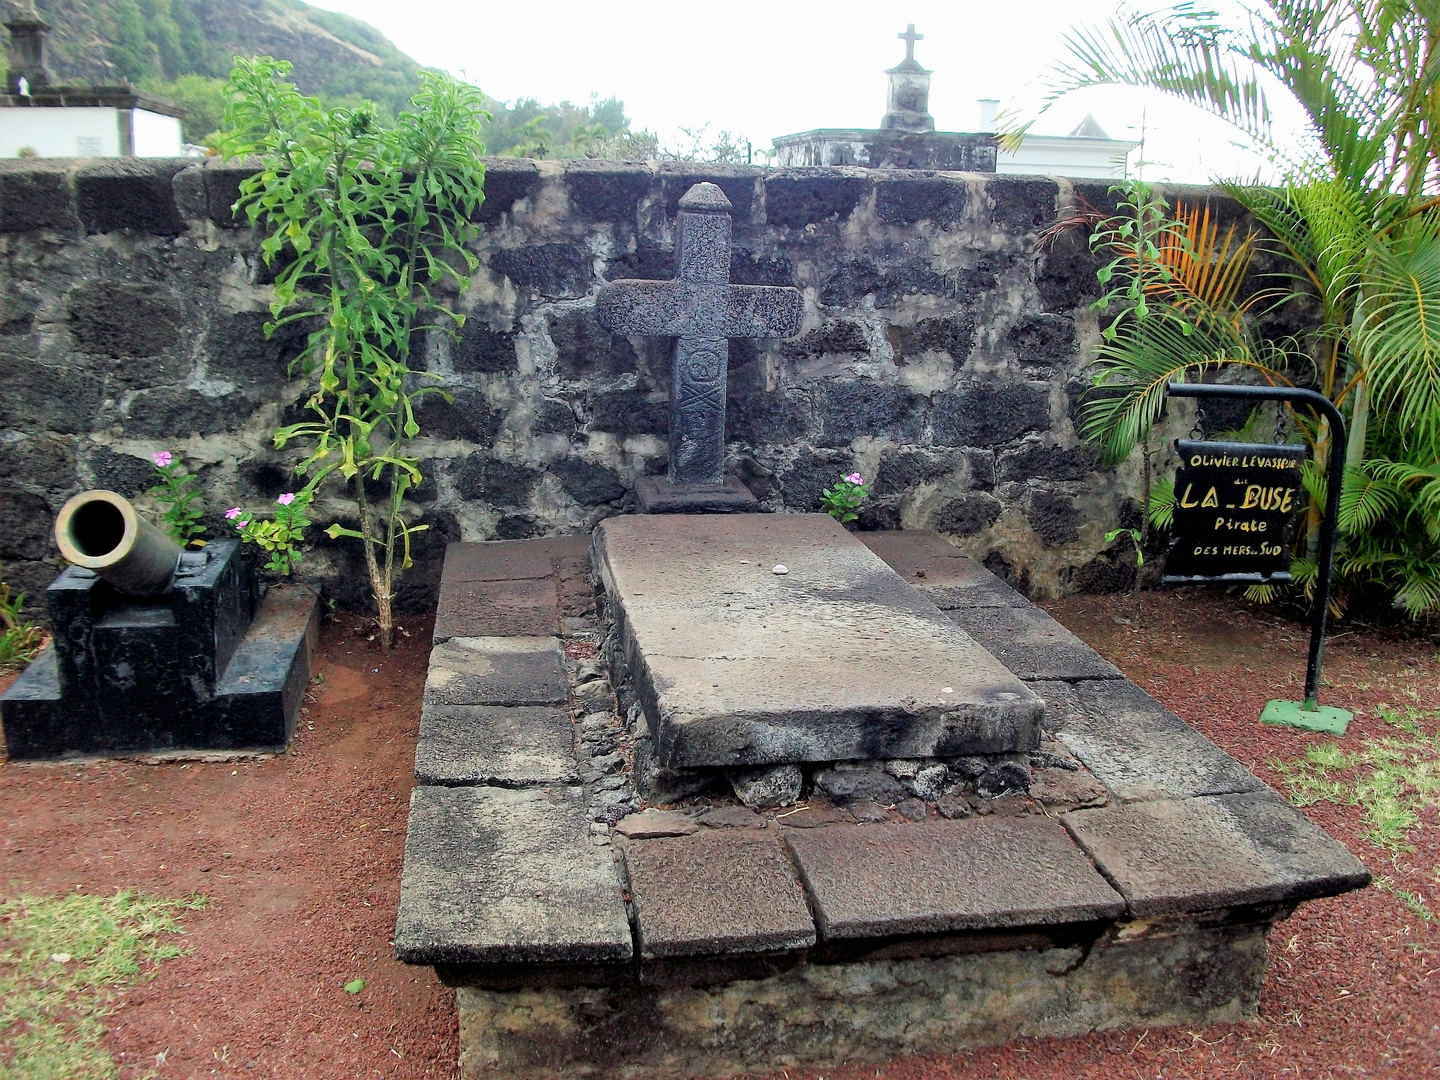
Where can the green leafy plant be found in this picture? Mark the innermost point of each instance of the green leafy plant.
(1355, 219)
(1135, 539)
(367, 226)
(178, 498)
(20, 639)
(62, 961)
(279, 536)
(843, 498)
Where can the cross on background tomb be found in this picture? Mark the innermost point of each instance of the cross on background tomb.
(701, 310)
(910, 37)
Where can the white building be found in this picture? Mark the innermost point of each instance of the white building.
(41, 119)
(1086, 153)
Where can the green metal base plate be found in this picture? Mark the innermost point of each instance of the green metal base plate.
(1325, 718)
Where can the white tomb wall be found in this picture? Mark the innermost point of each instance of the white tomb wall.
(1058, 155)
(57, 132)
(156, 135)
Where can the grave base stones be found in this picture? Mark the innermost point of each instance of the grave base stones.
(657, 495)
(591, 936)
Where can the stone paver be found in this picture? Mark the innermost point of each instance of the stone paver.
(509, 746)
(500, 877)
(511, 560)
(649, 824)
(496, 671)
(941, 571)
(837, 659)
(1135, 746)
(499, 560)
(731, 817)
(1189, 855)
(938, 876)
(524, 606)
(722, 891)
(1032, 644)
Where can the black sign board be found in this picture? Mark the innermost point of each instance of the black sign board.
(1235, 505)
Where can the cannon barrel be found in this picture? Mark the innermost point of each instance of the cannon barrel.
(100, 531)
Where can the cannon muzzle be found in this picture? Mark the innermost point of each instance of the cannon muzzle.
(100, 531)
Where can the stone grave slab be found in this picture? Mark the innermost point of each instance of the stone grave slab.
(715, 892)
(1135, 746)
(837, 658)
(1032, 644)
(507, 746)
(496, 671)
(938, 876)
(1189, 855)
(494, 876)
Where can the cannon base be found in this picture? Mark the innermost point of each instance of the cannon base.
(204, 668)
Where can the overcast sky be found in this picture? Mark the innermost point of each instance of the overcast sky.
(762, 68)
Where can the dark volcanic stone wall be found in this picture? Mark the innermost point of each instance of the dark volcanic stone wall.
(941, 355)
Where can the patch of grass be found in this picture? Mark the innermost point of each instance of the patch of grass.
(1390, 778)
(62, 961)
(19, 640)
(1414, 902)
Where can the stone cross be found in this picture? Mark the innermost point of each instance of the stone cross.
(700, 309)
(910, 37)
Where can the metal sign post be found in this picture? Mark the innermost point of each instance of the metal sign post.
(1309, 714)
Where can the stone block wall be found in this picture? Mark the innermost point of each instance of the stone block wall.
(941, 355)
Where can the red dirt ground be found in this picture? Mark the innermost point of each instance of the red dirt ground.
(301, 856)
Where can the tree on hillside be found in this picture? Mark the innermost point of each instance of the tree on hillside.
(155, 42)
(600, 129)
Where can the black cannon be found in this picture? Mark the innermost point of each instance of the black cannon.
(158, 649)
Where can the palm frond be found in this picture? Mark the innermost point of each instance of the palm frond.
(1420, 594)
(1161, 510)
(1421, 485)
(1185, 51)
(1261, 594)
(1204, 266)
(1134, 369)
(1396, 330)
(1365, 500)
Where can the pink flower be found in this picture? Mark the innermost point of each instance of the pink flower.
(286, 499)
(161, 458)
(854, 478)
(233, 513)
(240, 525)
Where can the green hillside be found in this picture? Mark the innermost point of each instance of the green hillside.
(156, 44)
(182, 50)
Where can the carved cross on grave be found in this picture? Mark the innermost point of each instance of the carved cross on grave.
(700, 309)
(910, 37)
